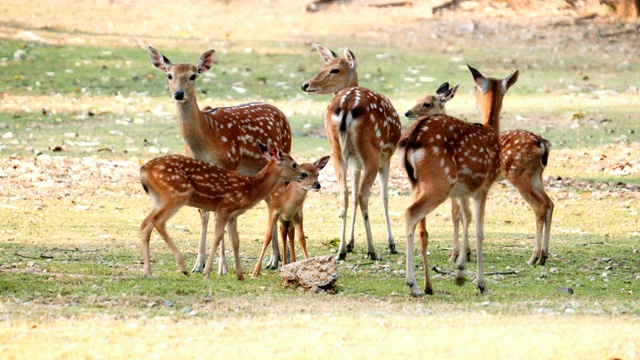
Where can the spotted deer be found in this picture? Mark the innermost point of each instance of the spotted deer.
(223, 136)
(363, 129)
(285, 207)
(445, 157)
(173, 181)
(524, 156)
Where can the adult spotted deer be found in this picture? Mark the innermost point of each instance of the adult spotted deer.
(222, 136)
(524, 156)
(449, 158)
(363, 129)
(285, 206)
(173, 181)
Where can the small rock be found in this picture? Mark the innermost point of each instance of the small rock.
(319, 272)
(168, 303)
(565, 290)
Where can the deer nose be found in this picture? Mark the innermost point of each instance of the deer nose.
(178, 95)
(305, 86)
(408, 113)
(316, 186)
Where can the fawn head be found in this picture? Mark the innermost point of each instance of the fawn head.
(289, 169)
(337, 73)
(310, 173)
(433, 104)
(490, 92)
(182, 77)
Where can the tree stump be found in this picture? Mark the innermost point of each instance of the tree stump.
(316, 274)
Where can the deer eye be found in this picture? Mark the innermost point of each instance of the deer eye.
(294, 166)
(304, 175)
(193, 77)
(335, 71)
(426, 105)
(169, 76)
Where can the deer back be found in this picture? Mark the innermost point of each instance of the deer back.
(463, 154)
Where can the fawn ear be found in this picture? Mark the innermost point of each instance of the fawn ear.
(264, 150)
(205, 63)
(351, 58)
(159, 61)
(442, 88)
(321, 163)
(325, 53)
(449, 94)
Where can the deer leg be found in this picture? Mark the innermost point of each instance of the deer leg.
(416, 213)
(221, 221)
(384, 186)
(479, 204)
(542, 206)
(291, 233)
(355, 187)
(232, 229)
(456, 217)
(267, 239)
(146, 229)
(547, 231)
(302, 238)
(341, 173)
(363, 200)
(466, 219)
(275, 251)
(200, 260)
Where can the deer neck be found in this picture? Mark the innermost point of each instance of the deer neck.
(491, 110)
(264, 182)
(352, 81)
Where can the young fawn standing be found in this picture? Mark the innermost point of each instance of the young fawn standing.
(173, 181)
(363, 129)
(285, 206)
(524, 156)
(223, 136)
(449, 158)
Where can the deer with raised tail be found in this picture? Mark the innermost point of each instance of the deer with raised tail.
(445, 157)
(524, 156)
(224, 136)
(363, 129)
(173, 181)
(285, 207)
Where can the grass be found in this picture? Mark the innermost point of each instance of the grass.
(92, 107)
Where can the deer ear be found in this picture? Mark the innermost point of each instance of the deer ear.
(509, 81)
(451, 93)
(159, 61)
(442, 88)
(321, 163)
(264, 150)
(205, 63)
(481, 82)
(351, 58)
(325, 53)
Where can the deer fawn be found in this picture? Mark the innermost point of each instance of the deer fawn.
(449, 158)
(173, 181)
(524, 156)
(363, 129)
(223, 136)
(285, 206)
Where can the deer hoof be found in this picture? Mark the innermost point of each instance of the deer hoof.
(373, 256)
(341, 256)
(350, 247)
(392, 249)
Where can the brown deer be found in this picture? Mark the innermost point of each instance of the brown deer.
(363, 129)
(524, 156)
(285, 206)
(173, 181)
(445, 157)
(222, 136)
